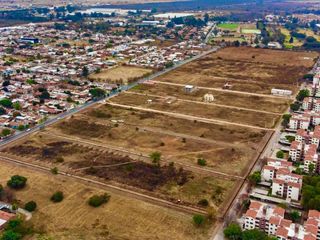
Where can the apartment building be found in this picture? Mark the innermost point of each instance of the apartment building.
(296, 151)
(300, 121)
(271, 220)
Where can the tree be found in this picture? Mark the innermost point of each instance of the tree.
(285, 120)
(17, 182)
(54, 170)
(6, 132)
(169, 64)
(6, 102)
(11, 235)
(203, 203)
(198, 220)
(85, 71)
(202, 162)
(57, 197)
(302, 94)
(291, 40)
(98, 200)
(2, 111)
(253, 234)
(295, 215)
(280, 154)
(311, 168)
(295, 106)
(16, 106)
(97, 93)
(155, 157)
(255, 178)
(30, 206)
(233, 232)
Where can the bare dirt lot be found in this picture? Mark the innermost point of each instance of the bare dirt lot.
(120, 74)
(276, 105)
(264, 120)
(121, 218)
(247, 69)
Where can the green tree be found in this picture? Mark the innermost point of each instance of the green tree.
(295, 216)
(155, 157)
(311, 168)
(302, 94)
(6, 102)
(295, 106)
(11, 235)
(255, 178)
(198, 220)
(16, 106)
(285, 120)
(17, 182)
(85, 71)
(30, 206)
(98, 200)
(280, 154)
(57, 197)
(97, 93)
(6, 132)
(233, 232)
(253, 234)
(203, 202)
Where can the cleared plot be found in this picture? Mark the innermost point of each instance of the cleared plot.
(247, 69)
(264, 120)
(120, 218)
(275, 105)
(228, 26)
(120, 74)
(141, 176)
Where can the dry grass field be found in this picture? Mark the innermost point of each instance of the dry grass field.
(122, 218)
(264, 120)
(112, 144)
(170, 183)
(276, 105)
(247, 69)
(120, 74)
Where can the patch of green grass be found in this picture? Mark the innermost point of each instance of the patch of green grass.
(228, 26)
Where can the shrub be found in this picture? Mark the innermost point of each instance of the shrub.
(203, 202)
(17, 182)
(30, 206)
(280, 154)
(198, 220)
(202, 162)
(98, 200)
(54, 170)
(57, 197)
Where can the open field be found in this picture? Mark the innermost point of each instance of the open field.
(228, 26)
(120, 74)
(276, 105)
(137, 173)
(121, 218)
(264, 120)
(247, 69)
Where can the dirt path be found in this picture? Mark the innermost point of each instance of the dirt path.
(224, 90)
(204, 103)
(188, 117)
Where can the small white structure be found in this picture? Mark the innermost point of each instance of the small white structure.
(189, 88)
(208, 98)
(281, 92)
